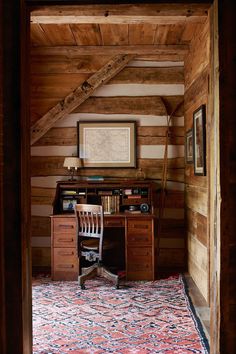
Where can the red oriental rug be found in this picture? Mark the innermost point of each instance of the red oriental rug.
(140, 318)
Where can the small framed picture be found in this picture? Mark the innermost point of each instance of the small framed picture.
(199, 141)
(68, 204)
(189, 146)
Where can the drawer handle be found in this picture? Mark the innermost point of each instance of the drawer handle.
(67, 266)
(141, 238)
(140, 254)
(64, 253)
(64, 226)
(66, 239)
(140, 226)
(114, 223)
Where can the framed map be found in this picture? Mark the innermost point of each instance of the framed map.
(107, 144)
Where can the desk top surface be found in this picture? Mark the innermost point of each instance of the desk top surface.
(117, 215)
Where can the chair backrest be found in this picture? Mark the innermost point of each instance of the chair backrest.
(89, 223)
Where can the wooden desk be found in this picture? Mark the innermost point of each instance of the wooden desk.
(140, 245)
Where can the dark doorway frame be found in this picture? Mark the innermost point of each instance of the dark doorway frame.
(15, 263)
(15, 243)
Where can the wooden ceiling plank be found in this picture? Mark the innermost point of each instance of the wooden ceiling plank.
(121, 13)
(78, 96)
(38, 36)
(161, 34)
(189, 32)
(175, 34)
(141, 34)
(86, 34)
(59, 34)
(114, 34)
(74, 51)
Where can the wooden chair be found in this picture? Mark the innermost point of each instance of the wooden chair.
(91, 244)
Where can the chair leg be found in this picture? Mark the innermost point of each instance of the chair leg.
(104, 272)
(88, 273)
(88, 269)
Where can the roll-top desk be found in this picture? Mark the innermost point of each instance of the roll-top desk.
(128, 205)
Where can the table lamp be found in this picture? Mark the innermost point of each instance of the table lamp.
(72, 164)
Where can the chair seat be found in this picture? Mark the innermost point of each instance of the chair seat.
(92, 244)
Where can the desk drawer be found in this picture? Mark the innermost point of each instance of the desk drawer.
(65, 264)
(114, 222)
(139, 231)
(143, 226)
(139, 263)
(64, 226)
(139, 238)
(65, 253)
(64, 240)
(139, 258)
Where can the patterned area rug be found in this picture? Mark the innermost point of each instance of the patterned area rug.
(140, 318)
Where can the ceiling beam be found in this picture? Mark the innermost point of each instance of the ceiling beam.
(73, 51)
(78, 96)
(121, 14)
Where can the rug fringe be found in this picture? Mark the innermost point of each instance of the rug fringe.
(198, 322)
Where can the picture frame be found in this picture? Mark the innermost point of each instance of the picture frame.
(68, 204)
(199, 141)
(107, 144)
(189, 146)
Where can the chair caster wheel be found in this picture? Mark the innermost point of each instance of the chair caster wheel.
(82, 286)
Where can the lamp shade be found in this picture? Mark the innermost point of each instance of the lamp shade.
(72, 162)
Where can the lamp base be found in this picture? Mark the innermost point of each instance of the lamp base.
(72, 173)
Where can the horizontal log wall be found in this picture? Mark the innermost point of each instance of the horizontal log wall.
(135, 94)
(196, 189)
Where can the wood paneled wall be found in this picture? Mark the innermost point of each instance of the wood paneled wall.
(136, 93)
(196, 189)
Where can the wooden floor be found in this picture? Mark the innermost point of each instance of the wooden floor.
(200, 305)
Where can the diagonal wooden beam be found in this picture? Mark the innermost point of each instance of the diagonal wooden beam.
(78, 96)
